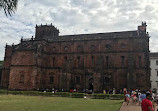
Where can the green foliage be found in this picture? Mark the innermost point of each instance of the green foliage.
(77, 95)
(116, 96)
(15, 92)
(101, 96)
(9, 6)
(33, 93)
(108, 96)
(64, 94)
(3, 91)
(1, 63)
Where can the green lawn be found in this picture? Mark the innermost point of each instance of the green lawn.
(39, 103)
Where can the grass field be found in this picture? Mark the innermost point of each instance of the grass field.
(39, 103)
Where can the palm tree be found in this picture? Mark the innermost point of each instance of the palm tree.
(9, 6)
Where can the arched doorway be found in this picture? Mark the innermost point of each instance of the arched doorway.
(90, 82)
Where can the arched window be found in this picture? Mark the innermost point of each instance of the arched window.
(93, 47)
(123, 45)
(65, 48)
(107, 78)
(51, 79)
(77, 79)
(79, 48)
(108, 46)
(54, 48)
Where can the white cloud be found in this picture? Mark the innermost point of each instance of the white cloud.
(79, 16)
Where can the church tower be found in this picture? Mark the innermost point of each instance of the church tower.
(46, 30)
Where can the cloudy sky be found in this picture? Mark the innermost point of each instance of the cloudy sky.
(79, 17)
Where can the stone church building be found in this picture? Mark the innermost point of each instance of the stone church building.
(95, 61)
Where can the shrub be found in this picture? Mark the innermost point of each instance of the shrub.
(108, 96)
(3, 91)
(101, 96)
(62, 94)
(47, 93)
(116, 96)
(31, 93)
(77, 95)
(15, 92)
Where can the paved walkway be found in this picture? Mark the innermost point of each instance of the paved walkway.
(130, 107)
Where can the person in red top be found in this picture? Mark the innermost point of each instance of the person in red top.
(146, 103)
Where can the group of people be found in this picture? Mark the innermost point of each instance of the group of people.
(147, 100)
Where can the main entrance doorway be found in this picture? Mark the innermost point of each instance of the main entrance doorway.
(90, 84)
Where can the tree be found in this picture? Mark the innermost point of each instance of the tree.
(9, 6)
(1, 63)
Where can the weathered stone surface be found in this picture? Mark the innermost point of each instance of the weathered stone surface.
(86, 61)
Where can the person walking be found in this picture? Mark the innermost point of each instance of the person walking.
(139, 99)
(127, 97)
(125, 92)
(146, 103)
(142, 97)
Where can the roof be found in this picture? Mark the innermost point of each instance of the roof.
(153, 54)
(94, 36)
(31, 44)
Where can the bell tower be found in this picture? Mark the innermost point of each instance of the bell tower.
(142, 29)
(46, 30)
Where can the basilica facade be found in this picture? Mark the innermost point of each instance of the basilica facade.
(98, 61)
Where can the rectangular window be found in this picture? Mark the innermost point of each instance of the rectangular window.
(157, 73)
(77, 80)
(140, 61)
(53, 61)
(156, 62)
(102, 60)
(106, 80)
(107, 61)
(92, 61)
(51, 79)
(21, 78)
(82, 64)
(65, 59)
(79, 61)
(122, 61)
